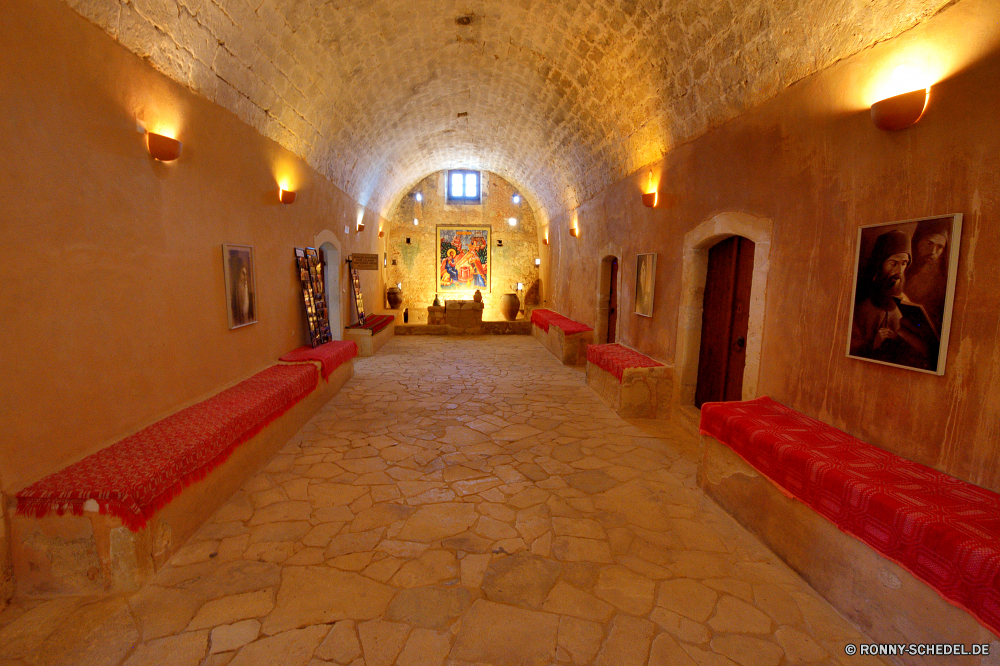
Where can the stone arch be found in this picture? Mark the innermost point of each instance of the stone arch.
(607, 253)
(694, 270)
(330, 248)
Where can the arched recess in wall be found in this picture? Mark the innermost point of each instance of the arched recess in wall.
(694, 271)
(609, 253)
(329, 247)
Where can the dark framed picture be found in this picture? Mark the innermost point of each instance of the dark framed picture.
(904, 290)
(241, 285)
(645, 281)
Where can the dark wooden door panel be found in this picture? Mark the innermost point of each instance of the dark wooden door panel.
(613, 302)
(737, 355)
(716, 322)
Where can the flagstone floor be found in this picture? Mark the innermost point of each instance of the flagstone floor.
(460, 501)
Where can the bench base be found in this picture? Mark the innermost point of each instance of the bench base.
(367, 343)
(881, 598)
(96, 554)
(643, 393)
(569, 349)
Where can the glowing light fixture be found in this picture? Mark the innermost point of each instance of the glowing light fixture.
(418, 196)
(285, 196)
(361, 227)
(517, 198)
(574, 232)
(381, 233)
(163, 148)
(909, 92)
(416, 221)
(512, 221)
(538, 261)
(650, 197)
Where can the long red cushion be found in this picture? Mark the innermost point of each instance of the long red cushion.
(546, 318)
(332, 355)
(135, 477)
(375, 323)
(615, 359)
(943, 530)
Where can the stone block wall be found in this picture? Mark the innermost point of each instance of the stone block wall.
(414, 255)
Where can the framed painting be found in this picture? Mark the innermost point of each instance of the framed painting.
(241, 285)
(463, 259)
(904, 289)
(645, 281)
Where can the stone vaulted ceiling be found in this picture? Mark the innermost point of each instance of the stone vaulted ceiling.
(561, 97)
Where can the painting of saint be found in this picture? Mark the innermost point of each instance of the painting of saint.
(645, 275)
(463, 262)
(904, 288)
(241, 286)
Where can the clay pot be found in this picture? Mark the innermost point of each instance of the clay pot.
(478, 296)
(510, 305)
(394, 296)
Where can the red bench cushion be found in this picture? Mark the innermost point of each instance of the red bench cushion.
(546, 318)
(332, 355)
(615, 358)
(135, 477)
(943, 530)
(375, 323)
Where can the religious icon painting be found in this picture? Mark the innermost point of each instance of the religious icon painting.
(241, 285)
(904, 288)
(463, 259)
(645, 281)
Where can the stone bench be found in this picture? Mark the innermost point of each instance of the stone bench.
(106, 523)
(565, 338)
(370, 336)
(909, 554)
(633, 384)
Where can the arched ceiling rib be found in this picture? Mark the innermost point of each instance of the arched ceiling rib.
(562, 97)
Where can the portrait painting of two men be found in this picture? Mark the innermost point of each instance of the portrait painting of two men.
(903, 292)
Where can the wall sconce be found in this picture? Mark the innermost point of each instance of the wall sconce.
(538, 261)
(286, 196)
(418, 196)
(416, 221)
(381, 233)
(163, 148)
(516, 198)
(900, 111)
(651, 195)
(512, 221)
(545, 241)
(574, 232)
(361, 227)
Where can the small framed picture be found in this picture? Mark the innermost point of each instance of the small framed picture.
(904, 289)
(645, 281)
(241, 285)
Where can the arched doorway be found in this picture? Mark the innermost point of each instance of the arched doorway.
(608, 289)
(332, 255)
(725, 318)
(331, 259)
(694, 273)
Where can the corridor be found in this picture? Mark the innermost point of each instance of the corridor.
(460, 501)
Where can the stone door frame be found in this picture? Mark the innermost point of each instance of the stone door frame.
(327, 237)
(694, 271)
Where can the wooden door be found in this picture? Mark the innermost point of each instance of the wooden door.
(725, 321)
(613, 302)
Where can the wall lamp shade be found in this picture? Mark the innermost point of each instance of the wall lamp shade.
(163, 148)
(574, 232)
(902, 111)
(381, 233)
(286, 196)
(538, 261)
(649, 199)
(545, 241)
(361, 227)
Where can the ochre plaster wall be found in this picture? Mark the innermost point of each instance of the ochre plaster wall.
(113, 302)
(417, 262)
(811, 161)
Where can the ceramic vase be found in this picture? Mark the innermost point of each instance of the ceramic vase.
(510, 305)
